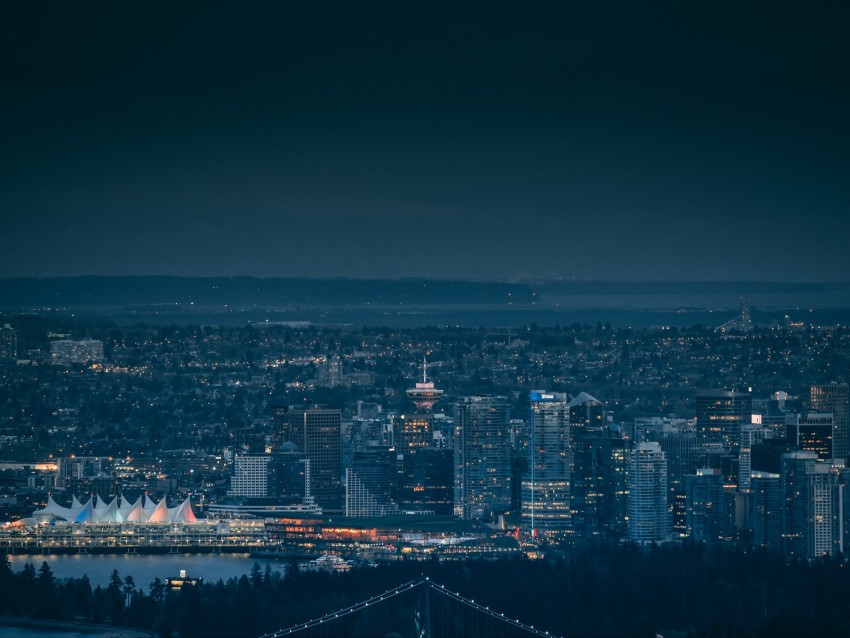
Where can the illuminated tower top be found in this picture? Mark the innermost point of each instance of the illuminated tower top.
(424, 395)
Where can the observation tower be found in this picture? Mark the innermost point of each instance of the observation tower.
(424, 395)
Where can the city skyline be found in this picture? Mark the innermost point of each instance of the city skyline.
(500, 142)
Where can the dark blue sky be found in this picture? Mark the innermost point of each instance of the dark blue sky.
(702, 140)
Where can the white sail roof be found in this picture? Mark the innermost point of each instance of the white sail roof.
(96, 510)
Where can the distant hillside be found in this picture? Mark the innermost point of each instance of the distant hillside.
(217, 291)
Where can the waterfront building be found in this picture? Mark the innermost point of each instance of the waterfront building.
(426, 480)
(482, 456)
(370, 483)
(648, 516)
(250, 478)
(721, 414)
(546, 504)
(317, 433)
(834, 399)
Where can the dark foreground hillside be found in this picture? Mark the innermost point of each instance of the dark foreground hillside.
(604, 591)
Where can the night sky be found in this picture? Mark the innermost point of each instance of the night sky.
(618, 140)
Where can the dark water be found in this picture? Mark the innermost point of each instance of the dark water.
(144, 568)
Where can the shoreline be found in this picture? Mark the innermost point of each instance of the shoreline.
(112, 631)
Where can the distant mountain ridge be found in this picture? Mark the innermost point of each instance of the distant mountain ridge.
(217, 291)
(99, 291)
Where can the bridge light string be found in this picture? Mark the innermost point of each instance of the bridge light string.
(389, 594)
(345, 612)
(486, 610)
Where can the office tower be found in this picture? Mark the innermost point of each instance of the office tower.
(770, 413)
(316, 431)
(250, 478)
(546, 488)
(834, 398)
(767, 510)
(288, 476)
(750, 435)
(589, 449)
(678, 446)
(649, 519)
(482, 457)
(710, 507)
(426, 481)
(615, 495)
(412, 431)
(8, 343)
(720, 415)
(796, 466)
(370, 483)
(812, 432)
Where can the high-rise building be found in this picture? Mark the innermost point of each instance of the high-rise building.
(8, 343)
(370, 483)
(426, 480)
(412, 431)
(482, 456)
(710, 507)
(812, 432)
(750, 435)
(720, 415)
(679, 447)
(250, 478)
(767, 510)
(796, 466)
(546, 488)
(589, 450)
(834, 398)
(615, 496)
(316, 431)
(648, 516)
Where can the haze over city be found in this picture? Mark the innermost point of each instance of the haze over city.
(489, 141)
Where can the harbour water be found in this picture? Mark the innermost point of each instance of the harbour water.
(145, 567)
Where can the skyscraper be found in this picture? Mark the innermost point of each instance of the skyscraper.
(370, 483)
(546, 488)
(649, 520)
(316, 431)
(588, 429)
(720, 415)
(834, 398)
(426, 480)
(482, 456)
(812, 432)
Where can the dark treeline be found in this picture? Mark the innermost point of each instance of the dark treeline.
(686, 590)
